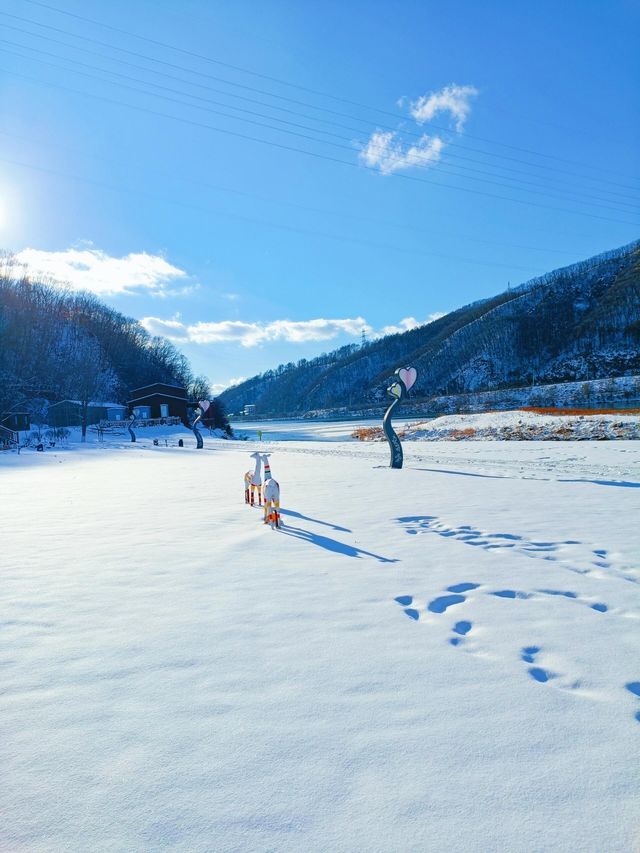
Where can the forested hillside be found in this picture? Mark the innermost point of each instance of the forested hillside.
(577, 323)
(57, 344)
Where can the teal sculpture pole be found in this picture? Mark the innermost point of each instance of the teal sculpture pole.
(202, 408)
(196, 431)
(405, 378)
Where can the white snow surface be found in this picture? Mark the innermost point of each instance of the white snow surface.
(177, 676)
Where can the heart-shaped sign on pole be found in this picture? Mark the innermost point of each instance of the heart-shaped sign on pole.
(408, 376)
(204, 405)
(406, 380)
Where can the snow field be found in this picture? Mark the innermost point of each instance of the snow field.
(440, 658)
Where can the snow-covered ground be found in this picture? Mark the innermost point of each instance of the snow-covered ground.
(442, 658)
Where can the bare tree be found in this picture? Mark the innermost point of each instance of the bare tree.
(91, 378)
(199, 389)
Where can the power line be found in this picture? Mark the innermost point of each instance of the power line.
(581, 196)
(271, 79)
(195, 55)
(412, 134)
(323, 211)
(509, 111)
(315, 154)
(262, 222)
(349, 148)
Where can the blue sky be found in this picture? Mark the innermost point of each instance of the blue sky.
(477, 144)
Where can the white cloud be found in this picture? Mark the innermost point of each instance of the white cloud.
(219, 387)
(96, 271)
(402, 326)
(453, 99)
(388, 152)
(409, 323)
(385, 150)
(174, 330)
(252, 334)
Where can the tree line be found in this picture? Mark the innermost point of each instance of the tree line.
(58, 344)
(578, 323)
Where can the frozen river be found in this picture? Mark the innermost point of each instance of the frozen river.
(311, 430)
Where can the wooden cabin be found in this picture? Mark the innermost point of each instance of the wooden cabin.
(160, 400)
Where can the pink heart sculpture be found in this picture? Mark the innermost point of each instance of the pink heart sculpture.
(204, 405)
(408, 376)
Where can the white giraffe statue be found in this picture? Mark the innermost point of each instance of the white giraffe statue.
(253, 482)
(271, 492)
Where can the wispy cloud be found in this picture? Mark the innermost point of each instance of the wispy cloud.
(409, 323)
(453, 99)
(174, 329)
(388, 152)
(254, 334)
(219, 387)
(92, 269)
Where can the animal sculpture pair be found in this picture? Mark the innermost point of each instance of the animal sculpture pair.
(270, 490)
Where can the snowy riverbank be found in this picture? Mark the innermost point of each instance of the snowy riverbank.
(518, 425)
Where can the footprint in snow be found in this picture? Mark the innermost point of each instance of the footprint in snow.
(601, 608)
(470, 535)
(634, 687)
(514, 593)
(437, 605)
(528, 654)
(510, 593)
(444, 602)
(601, 560)
(404, 601)
(462, 629)
(582, 561)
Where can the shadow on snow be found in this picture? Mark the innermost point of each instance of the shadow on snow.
(299, 515)
(332, 544)
(624, 483)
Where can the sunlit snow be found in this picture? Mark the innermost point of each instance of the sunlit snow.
(439, 658)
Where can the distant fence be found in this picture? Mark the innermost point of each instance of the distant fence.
(9, 440)
(143, 422)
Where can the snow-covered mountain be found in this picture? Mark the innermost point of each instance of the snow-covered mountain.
(578, 323)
